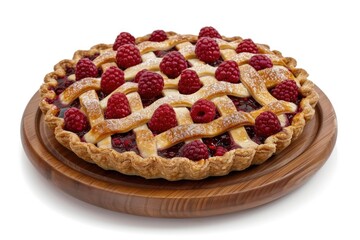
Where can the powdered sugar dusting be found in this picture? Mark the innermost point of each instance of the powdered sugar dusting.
(77, 88)
(185, 132)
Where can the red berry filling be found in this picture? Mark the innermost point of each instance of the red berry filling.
(248, 104)
(217, 62)
(123, 142)
(92, 57)
(62, 84)
(220, 151)
(251, 133)
(69, 71)
(171, 152)
(216, 146)
(220, 144)
(162, 53)
(148, 101)
(290, 116)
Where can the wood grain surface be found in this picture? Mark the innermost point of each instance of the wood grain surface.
(237, 191)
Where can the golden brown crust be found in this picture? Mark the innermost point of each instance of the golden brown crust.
(179, 167)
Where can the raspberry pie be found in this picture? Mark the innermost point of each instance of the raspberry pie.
(177, 106)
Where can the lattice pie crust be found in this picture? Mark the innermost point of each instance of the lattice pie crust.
(96, 147)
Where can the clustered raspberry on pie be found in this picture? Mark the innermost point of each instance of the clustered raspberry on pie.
(177, 106)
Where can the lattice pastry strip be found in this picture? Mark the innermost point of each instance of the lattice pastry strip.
(144, 137)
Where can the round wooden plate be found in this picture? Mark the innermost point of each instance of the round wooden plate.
(160, 198)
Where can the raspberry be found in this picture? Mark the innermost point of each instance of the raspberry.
(267, 124)
(75, 120)
(207, 50)
(247, 45)
(122, 39)
(158, 36)
(172, 64)
(260, 62)
(85, 68)
(117, 106)
(203, 111)
(286, 90)
(228, 71)
(209, 32)
(195, 150)
(150, 84)
(111, 79)
(189, 82)
(163, 119)
(138, 75)
(127, 56)
(220, 151)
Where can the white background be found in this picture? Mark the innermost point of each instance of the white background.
(322, 35)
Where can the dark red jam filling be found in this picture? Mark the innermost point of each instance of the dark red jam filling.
(124, 142)
(148, 101)
(162, 53)
(62, 84)
(100, 72)
(69, 71)
(82, 133)
(92, 57)
(101, 95)
(63, 108)
(224, 140)
(248, 104)
(252, 135)
(290, 116)
(171, 152)
(217, 62)
(189, 65)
